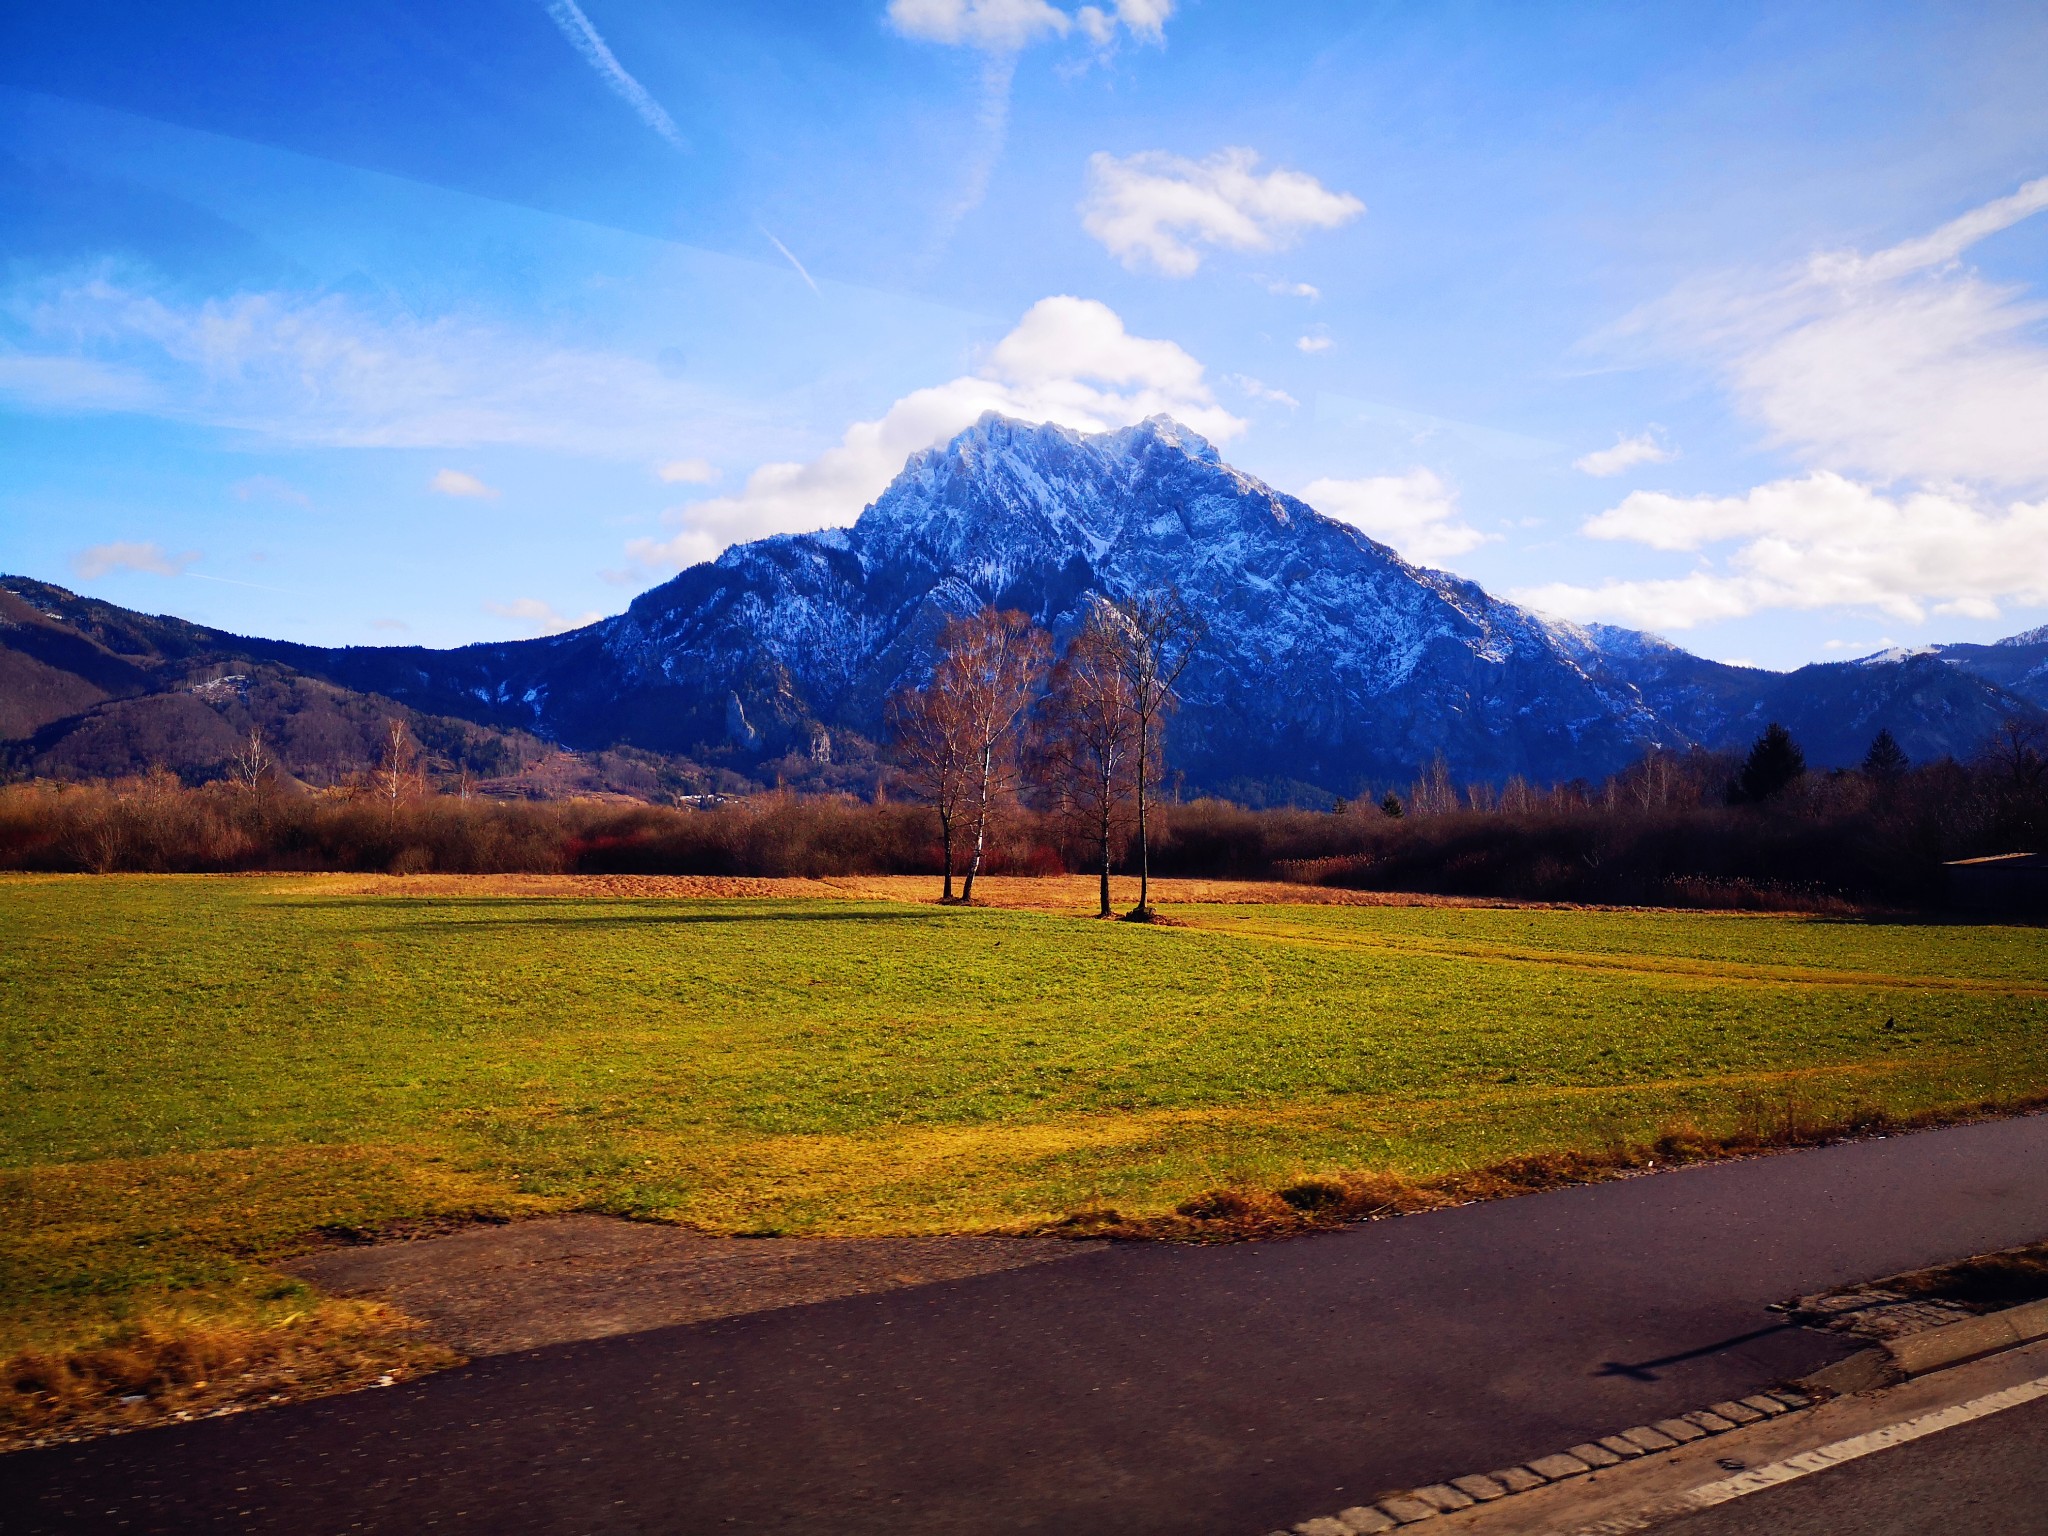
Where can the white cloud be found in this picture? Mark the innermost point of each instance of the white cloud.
(1416, 513)
(688, 472)
(1153, 209)
(453, 482)
(151, 558)
(1899, 364)
(1819, 541)
(997, 25)
(1005, 26)
(1145, 18)
(1627, 452)
(1288, 290)
(540, 618)
(1068, 361)
(1263, 391)
(584, 39)
(327, 371)
(1097, 24)
(1314, 344)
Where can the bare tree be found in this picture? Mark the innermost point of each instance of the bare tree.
(956, 739)
(1159, 634)
(929, 744)
(996, 663)
(252, 765)
(401, 774)
(1086, 750)
(1434, 794)
(1651, 783)
(2018, 751)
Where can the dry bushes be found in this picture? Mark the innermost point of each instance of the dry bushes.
(1834, 843)
(1989, 1281)
(154, 825)
(153, 1372)
(1325, 1202)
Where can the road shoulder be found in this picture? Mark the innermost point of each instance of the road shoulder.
(1641, 1495)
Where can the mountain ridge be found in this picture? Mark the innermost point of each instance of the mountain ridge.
(1331, 664)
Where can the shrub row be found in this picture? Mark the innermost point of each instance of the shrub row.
(1830, 842)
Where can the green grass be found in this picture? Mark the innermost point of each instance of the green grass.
(195, 1073)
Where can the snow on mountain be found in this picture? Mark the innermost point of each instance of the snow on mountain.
(1330, 662)
(1329, 659)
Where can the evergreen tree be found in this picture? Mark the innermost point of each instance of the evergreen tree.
(1774, 762)
(1886, 761)
(1391, 806)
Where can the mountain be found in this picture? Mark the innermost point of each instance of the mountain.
(90, 690)
(2018, 663)
(1330, 664)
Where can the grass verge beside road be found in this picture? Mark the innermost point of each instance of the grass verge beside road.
(200, 1074)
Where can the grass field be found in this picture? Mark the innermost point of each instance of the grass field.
(195, 1073)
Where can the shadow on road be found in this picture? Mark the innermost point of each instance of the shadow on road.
(1646, 1370)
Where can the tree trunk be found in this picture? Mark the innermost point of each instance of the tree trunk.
(980, 826)
(1144, 906)
(946, 841)
(1105, 866)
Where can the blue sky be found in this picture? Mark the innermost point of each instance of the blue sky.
(444, 322)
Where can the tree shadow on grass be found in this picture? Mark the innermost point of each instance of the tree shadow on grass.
(491, 913)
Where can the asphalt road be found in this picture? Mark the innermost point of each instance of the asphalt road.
(1987, 1478)
(1137, 1390)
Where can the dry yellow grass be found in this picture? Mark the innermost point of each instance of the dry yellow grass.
(201, 1072)
(1071, 894)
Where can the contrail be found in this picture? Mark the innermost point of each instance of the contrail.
(229, 581)
(993, 121)
(800, 272)
(568, 15)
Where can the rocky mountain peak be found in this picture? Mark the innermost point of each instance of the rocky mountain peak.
(1331, 665)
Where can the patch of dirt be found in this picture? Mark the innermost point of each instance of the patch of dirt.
(1929, 1298)
(404, 1229)
(491, 1290)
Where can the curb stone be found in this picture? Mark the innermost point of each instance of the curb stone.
(1893, 1361)
(1483, 1489)
(1932, 1349)
(1434, 1499)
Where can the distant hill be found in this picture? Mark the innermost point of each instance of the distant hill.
(2018, 663)
(89, 690)
(1331, 664)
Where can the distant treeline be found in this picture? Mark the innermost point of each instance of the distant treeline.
(1690, 829)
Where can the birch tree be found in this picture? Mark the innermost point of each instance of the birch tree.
(1087, 747)
(929, 747)
(1159, 634)
(994, 663)
(956, 738)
